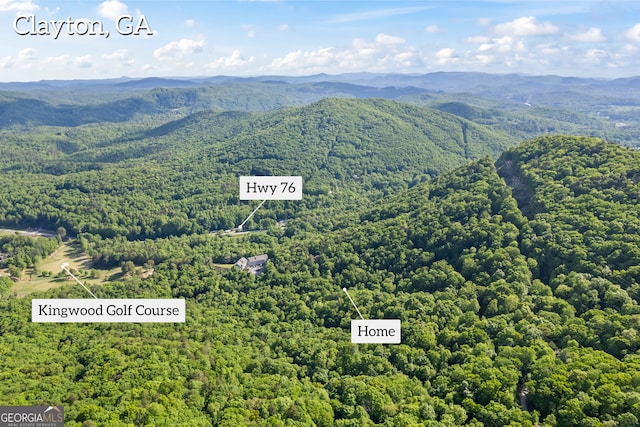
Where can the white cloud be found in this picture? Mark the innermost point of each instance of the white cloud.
(550, 49)
(117, 55)
(250, 29)
(478, 39)
(283, 27)
(233, 61)
(485, 59)
(83, 61)
(301, 60)
(386, 39)
(375, 14)
(504, 44)
(506, 51)
(18, 6)
(190, 23)
(432, 29)
(447, 52)
(112, 9)
(65, 62)
(625, 56)
(484, 22)
(27, 53)
(595, 55)
(364, 48)
(528, 45)
(56, 61)
(592, 35)
(633, 33)
(447, 56)
(384, 53)
(178, 49)
(61, 62)
(6, 62)
(525, 26)
(404, 58)
(509, 44)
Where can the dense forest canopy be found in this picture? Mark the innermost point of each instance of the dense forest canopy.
(513, 267)
(501, 287)
(181, 177)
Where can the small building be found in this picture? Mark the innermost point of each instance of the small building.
(257, 261)
(253, 264)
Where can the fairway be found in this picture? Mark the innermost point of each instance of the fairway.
(68, 252)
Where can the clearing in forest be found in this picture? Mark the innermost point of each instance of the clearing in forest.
(46, 276)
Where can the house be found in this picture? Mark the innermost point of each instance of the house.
(241, 263)
(253, 264)
(257, 261)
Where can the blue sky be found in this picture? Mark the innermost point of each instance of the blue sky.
(247, 38)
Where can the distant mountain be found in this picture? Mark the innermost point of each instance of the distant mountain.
(524, 106)
(158, 96)
(484, 84)
(155, 82)
(35, 112)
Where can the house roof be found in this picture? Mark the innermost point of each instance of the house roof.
(241, 263)
(258, 258)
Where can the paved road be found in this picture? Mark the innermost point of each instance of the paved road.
(33, 233)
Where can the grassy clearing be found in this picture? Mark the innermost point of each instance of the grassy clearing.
(69, 253)
(223, 266)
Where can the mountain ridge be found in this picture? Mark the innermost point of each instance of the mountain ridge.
(522, 105)
(367, 148)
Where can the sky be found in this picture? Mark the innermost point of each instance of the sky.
(64, 40)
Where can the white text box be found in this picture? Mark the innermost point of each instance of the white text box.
(270, 188)
(376, 331)
(107, 310)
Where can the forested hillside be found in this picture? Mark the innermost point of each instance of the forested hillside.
(143, 180)
(516, 281)
(121, 102)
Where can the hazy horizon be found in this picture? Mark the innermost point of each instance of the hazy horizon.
(80, 40)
